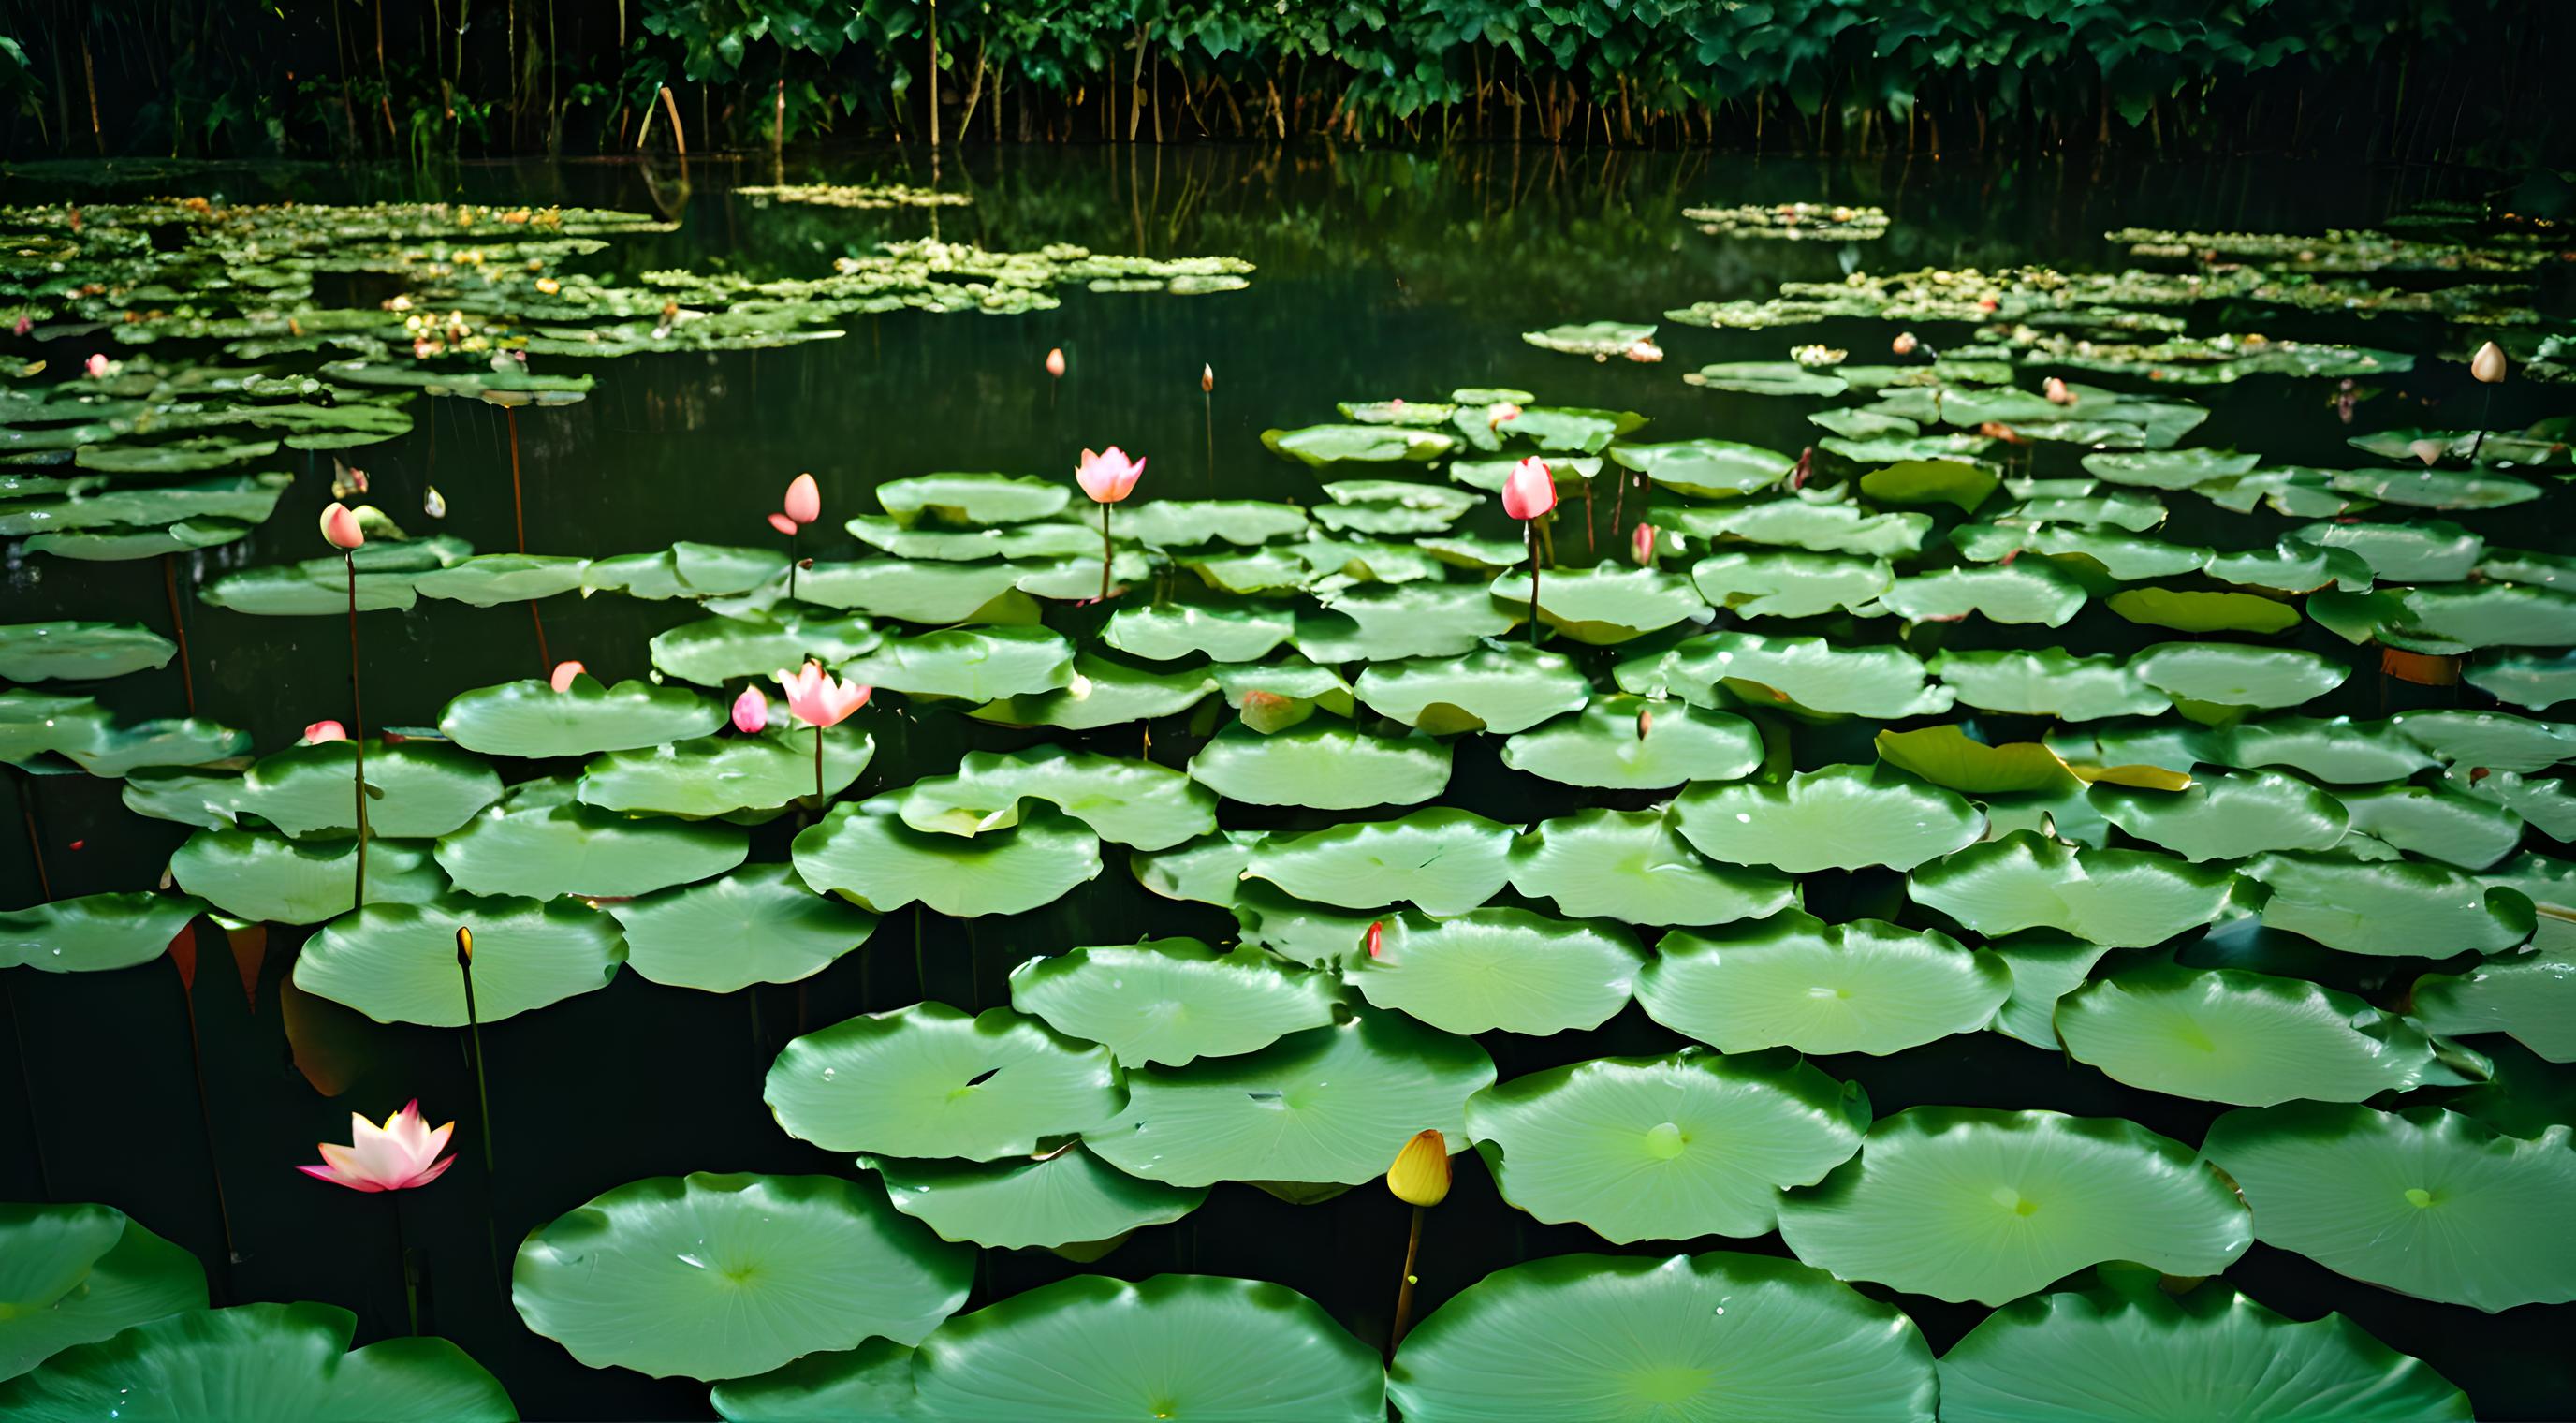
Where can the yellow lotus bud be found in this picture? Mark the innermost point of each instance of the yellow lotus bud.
(2488, 365)
(1420, 1175)
(464, 946)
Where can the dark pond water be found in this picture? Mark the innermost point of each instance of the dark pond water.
(1379, 274)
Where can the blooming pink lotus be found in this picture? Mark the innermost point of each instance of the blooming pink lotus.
(1530, 490)
(564, 672)
(1108, 476)
(817, 698)
(804, 499)
(397, 1156)
(751, 712)
(340, 528)
(322, 731)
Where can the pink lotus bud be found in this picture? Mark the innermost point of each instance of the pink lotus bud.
(751, 712)
(23, 327)
(1645, 721)
(2057, 392)
(1207, 380)
(1377, 938)
(783, 524)
(1641, 545)
(804, 499)
(340, 528)
(97, 367)
(1904, 343)
(322, 731)
(1530, 490)
(2488, 365)
(564, 672)
(1055, 362)
(1108, 475)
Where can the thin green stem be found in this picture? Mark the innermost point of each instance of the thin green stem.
(403, 1267)
(358, 714)
(474, 1050)
(1531, 528)
(818, 769)
(1404, 1291)
(1106, 555)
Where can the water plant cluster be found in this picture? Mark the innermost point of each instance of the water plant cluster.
(2009, 706)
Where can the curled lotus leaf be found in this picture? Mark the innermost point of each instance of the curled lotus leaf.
(1139, 803)
(1606, 603)
(2122, 898)
(1947, 756)
(2391, 907)
(1789, 585)
(2229, 817)
(927, 1080)
(2048, 682)
(1624, 1336)
(872, 1381)
(1666, 1148)
(1634, 866)
(759, 924)
(93, 932)
(532, 719)
(2231, 674)
(714, 651)
(2528, 996)
(1443, 859)
(1172, 1001)
(1794, 981)
(1498, 970)
(1706, 469)
(709, 776)
(1066, 1200)
(1273, 696)
(2226, 1035)
(1971, 1204)
(1498, 688)
(2546, 802)
(1621, 742)
(1805, 672)
(867, 855)
(77, 1274)
(2292, 566)
(1838, 817)
(1323, 766)
(396, 963)
(2045, 967)
(2426, 1202)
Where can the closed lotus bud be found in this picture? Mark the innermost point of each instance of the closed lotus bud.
(751, 712)
(322, 731)
(464, 946)
(2057, 392)
(564, 672)
(804, 500)
(1055, 362)
(1377, 938)
(1207, 379)
(340, 528)
(1904, 343)
(1641, 545)
(1420, 1175)
(2488, 365)
(1645, 721)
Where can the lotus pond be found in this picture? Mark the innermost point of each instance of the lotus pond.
(1946, 785)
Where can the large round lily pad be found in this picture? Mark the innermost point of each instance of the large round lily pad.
(2389, 906)
(1443, 859)
(1097, 1350)
(1171, 1001)
(269, 877)
(1321, 765)
(2124, 898)
(2224, 1035)
(1840, 817)
(1063, 1200)
(1495, 688)
(1969, 1204)
(396, 963)
(78, 651)
(759, 924)
(931, 1081)
(1633, 866)
(1498, 970)
(1795, 981)
(872, 1381)
(94, 931)
(2227, 817)
(427, 789)
(866, 854)
(75, 1274)
(711, 776)
(540, 844)
(1705, 1338)
(533, 719)
(1622, 742)
(714, 651)
(1139, 803)
(711, 1277)
(264, 1361)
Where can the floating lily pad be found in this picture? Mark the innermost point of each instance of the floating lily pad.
(1666, 1148)
(1323, 766)
(269, 877)
(1906, 481)
(1064, 1200)
(867, 855)
(1600, 1336)
(1968, 1204)
(980, 664)
(1378, 622)
(930, 1081)
(420, 790)
(1171, 1001)
(487, 580)
(2025, 592)
(2123, 898)
(2387, 906)
(1443, 859)
(2170, 469)
(2426, 1202)
(1767, 378)
(759, 924)
(396, 963)
(1498, 970)
(91, 933)
(2457, 829)
(872, 1381)
(1808, 672)
(2541, 681)
(714, 651)
(1839, 817)
(76, 1274)
(533, 719)
(540, 844)
(2529, 996)
(79, 652)
(2432, 551)
(1038, 540)
(2049, 682)
(1708, 469)
(2338, 751)
(2224, 1035)
(915, 592)
(1946, 756)
(1324, 446)
(973, 499)
(2188, 610)
(1139, 803)
(1328, 1106)
(1183, 523)
(1183, 1346)
(1103, 693)
(1628, 743)
(1166, 632)
(1789, 585)
(1501, 689)
(2497, 741)
(1795, 981)
(1824, 525)
(2227, 817)
(708, 1276)
(1606, 604)
(1633, 866)
(724, 775)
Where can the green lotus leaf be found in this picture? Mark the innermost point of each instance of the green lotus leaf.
(1789, 585)
(122, 750)
(711, 776)
(1767, 378)
(1167, 632)
(200, 798)
(2094, 556)
(1103, 693)
(320, 586)
(1665, 1148)
(1606, 603)
(1208, 870)
(1628, 743)
(240, 499)
(1096, 1350)
(265, 1361)
(1393, 506)
(707, 1276)
(2045, 968)
(1039, 539)
(2224, 1035)
(32, 724)
(396, 963)
(1707, 469)
(2436, 488)
(1808, 672)
(2141, 1355)
(1075, 580)
(2529, 566)
(1633, 866)
(2482, 615)
(2292, 566)
(979, 664)
(1498, 970)
(1597, 339)
(867, 855)
(2338, 751)
(1968, 1204)
(2498, 741)
(1498, 688)
(1806, 520)
(2049, 682)
(1324, 446)
(2449, 826)
(2529, 996)
(114, 545)
(2432, 551)
(930, 1081)
(2032, 592)
(1793, 980)
(1276, 570)
(76, 1274)
(1380, 622)
(759, 924)
(1630, 1337)
(1334, 564)
(1274, 696)
(917, 592)
(2170, 469)
(1065, 1200)
(1443, 859)
(973, 499)
(1946, 756)
(2426, 1202)
(1471, 552)
(872, 1381)
(1185, 523)
(90, 933)
(533, 719)
(489, 579)
(1552, 428)
(2226, 817)
(2541, 681)
(71, 651)
(2547, 802)
(1322, 766)
(2228, 674)
(1171, 1001)
(1137, 803)
(1838, 817)
(714, 651)
(269, 877)
(2122, 898)
(2388, 906)
(538, 843)
(1328, 1106)
(424, 790)
(2189, 610)
(1929, 481)
(1568, 473)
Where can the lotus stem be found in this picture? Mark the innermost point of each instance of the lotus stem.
(1404, 1290)
(1591, 536)
(1106, 554)
(1208, 397)
(1533, 611)
(1619, 510)
(27, 1088)
(403, 1267)
(791, 567)
(519, 519)
(205, 1112)
(474, 1040)
(2486, 415)
(818, 770)
(35, 835)
(358, 741)
(179, 628)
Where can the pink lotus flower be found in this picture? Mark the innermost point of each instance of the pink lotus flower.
(817, 698)
(751, 712)
(804, 499)
(397, 1156)
(783, 524)
(1643, 351)
(2057, 393)
(340, 528)
(1497, 416)
(1530, 490)
(1055, 362)
(1641, 545)
(98, 366)
(1108, 476)
(322, 731)
(564, 672)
